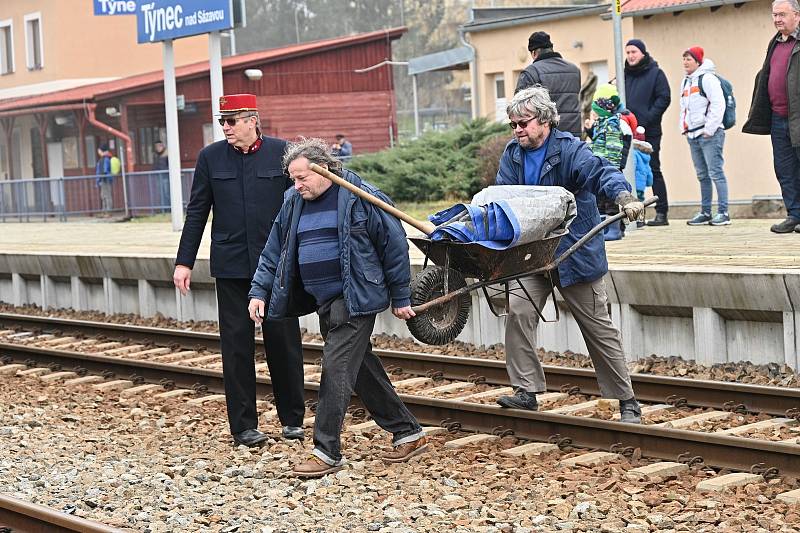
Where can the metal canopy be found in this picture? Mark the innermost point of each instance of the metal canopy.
(453, 59)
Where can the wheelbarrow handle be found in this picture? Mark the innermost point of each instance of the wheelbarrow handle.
(590, 235)
(423, 226)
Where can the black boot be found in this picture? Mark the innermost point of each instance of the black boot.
(659, 220)
(521, 400)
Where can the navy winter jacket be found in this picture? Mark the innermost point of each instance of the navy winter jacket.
(374, 258)
(647, 93)
(570, 163)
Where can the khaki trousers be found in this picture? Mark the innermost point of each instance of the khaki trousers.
(588, 303)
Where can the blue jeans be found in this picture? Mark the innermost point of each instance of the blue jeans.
(786, 159)
(348, 365)
(708, 161)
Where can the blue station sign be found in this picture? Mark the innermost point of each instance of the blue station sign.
(114, 7)
(158, 20)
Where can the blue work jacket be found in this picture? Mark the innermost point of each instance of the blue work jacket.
(373, 249)
(570, 163)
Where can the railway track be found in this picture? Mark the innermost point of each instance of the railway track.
(572, 421)
(19, 516)
(650, 388)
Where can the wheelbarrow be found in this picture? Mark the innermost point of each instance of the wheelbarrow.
(440, 293)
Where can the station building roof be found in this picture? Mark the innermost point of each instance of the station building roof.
(108, 89)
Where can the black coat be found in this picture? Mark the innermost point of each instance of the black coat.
(759, 119)
(647, 94)
(562, 79)
(246, 193)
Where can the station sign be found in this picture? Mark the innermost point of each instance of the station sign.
(114, 7)
(158, 20)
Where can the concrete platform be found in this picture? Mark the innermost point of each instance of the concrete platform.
(711, 294)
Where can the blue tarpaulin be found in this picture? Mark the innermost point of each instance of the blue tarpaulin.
(504, 216)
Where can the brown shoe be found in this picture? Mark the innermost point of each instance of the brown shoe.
(406, 451)
(315, 467)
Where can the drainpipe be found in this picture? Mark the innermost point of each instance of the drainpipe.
(476, 110)
(105, 127)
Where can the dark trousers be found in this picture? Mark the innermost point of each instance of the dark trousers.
(283, 347)
(659, 185)
(786, 159)
(348, 365)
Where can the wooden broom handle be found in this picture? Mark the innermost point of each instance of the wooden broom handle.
(425, 227)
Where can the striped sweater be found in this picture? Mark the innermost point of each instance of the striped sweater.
(318, 247)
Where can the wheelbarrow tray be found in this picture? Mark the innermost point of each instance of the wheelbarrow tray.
(486, 264)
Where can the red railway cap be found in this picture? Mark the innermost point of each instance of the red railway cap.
(237, 103)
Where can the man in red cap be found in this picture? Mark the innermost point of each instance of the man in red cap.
(243, 181)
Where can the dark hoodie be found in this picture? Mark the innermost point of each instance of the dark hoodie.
(647, 94)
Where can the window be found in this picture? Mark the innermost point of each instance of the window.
(33, 41)
(500, 97)
(147, 136)
(6, 47)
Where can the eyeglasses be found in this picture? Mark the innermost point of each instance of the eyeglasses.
(521, 123)
(231, 121)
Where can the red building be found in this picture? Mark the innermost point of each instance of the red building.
(310, 89)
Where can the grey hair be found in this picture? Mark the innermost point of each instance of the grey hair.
(792, 3)
(315, 150)
(534, 102)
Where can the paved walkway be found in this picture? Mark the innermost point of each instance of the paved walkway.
(745, 243)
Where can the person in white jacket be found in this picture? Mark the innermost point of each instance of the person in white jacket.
(702, 109)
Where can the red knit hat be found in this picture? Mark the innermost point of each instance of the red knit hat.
(696, 52)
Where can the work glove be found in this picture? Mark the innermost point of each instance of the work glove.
(633, 208)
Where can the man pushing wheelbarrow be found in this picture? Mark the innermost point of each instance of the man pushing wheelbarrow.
(542, 155)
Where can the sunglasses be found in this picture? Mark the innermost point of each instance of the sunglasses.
(521, 123)
(231, 121)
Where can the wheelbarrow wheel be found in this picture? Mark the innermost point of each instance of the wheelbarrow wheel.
(443, 323)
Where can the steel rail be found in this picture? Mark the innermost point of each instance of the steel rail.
(771, 400)
(665, 443)
(25, 517)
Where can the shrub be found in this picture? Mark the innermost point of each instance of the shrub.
(436, 166)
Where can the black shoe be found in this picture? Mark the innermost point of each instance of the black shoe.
(659, 220)
(630, 412)
(521, 400)
(787, 226)
(293, 432)
(250, 438)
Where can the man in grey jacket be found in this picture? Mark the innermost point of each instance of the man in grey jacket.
(561, 78)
